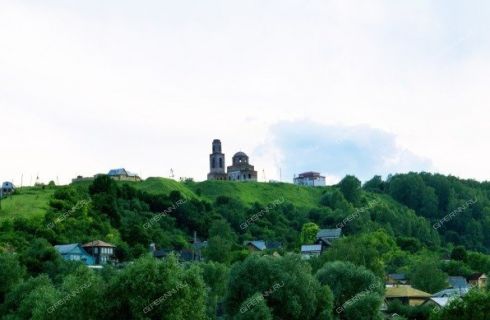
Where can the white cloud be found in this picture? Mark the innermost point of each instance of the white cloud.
(91, 85)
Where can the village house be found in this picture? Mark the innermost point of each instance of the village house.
(406, 295)
(75, 252)
(458, 283)
(478, 280)
(310, 178)
(194, 253)
(123, 175)
(7, 188)
(310, 250)
(437, 302)
(325, 237)
(261, 245)
(102, 252)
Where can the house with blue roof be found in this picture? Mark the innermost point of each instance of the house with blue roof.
(7, 188)
(75, 252)
(261, 245)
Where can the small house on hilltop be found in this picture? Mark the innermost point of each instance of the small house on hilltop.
(7, 188)
(310, 178)
(75, 252)
(325, 237)
(123, 175)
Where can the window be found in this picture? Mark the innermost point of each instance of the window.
(213, 163)
(249, 176)
(220, 162)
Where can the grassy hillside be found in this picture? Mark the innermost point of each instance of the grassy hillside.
(27, 203)
(250, 192)
(163, 186)
(247, 192)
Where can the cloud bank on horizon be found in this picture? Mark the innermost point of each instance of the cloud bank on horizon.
(337, 150)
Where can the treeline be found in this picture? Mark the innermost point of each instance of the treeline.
(380, 236)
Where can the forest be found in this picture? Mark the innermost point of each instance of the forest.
(427, 226)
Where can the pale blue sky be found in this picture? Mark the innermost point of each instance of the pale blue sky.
(359, 87)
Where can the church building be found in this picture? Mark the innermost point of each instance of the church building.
(240, 170)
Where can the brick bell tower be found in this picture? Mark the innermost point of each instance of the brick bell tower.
(217, 162)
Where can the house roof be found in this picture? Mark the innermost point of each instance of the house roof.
(98, 243)
(458, 282)
(259, 244)
(329, 233)
(451, 292)
(398, 276)
(66, 248)
(476, 276)
(405, 291)
(441, 302)
(7, 185)
(121, 172)
(273, 245)
(311, 248)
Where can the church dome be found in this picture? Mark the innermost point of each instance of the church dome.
(240, 158)
(240, 154)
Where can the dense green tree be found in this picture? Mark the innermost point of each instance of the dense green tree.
(215, 276)
(459, 253)
(254, 308)
(11, 273)
(376, 184)
(426, 275)
(286, 283)
(371, 250)
(308, 233)
(350, 187)
(41, 257)
(473, 306)
(86, 291)
(357, 291)
(164, 289)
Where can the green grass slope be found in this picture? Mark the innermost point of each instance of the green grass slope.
(250, 192)
(33, 202)
(163, 186)
(27, 203)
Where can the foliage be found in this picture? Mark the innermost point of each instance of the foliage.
(308, 233)
(357, 291)
(473, 306)
(286, 283)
